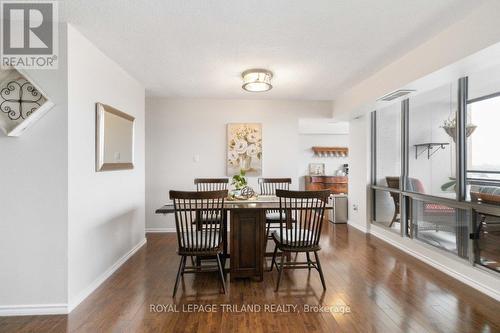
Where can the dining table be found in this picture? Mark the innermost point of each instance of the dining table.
(247, 234)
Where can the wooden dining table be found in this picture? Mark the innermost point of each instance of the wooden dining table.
(247, 235)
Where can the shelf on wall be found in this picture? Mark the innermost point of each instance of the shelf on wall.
(331, 151)
(430, 147)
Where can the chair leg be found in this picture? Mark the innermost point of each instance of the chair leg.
(394, 218)
(320, 270)
(184, 265)
(273, 261)
(181, 269)
(221, 272)
(308, 261)
(280, 270)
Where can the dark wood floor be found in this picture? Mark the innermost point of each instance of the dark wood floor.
(385, 289)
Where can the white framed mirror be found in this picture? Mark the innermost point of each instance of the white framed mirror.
(114, 139)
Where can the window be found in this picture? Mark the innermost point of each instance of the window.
(483, 136)
(388, 150)
(386, 209)
(419, 141)
(431, 142)
(484, 121)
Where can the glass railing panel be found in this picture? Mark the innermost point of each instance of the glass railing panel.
(487, 241)
(441, 226)
(387, 210)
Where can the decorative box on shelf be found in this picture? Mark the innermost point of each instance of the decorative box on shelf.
(331, 151)
(22, 102)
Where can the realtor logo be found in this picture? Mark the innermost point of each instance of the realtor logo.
(29, 33)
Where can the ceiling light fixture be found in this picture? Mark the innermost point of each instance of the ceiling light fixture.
(257, 80)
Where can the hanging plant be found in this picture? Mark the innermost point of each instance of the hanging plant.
(450, 127)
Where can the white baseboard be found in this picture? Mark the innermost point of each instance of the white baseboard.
(445, 269)
(154, 230)
(97, 282)
(53, 309)
(361, 228)
(33, 309)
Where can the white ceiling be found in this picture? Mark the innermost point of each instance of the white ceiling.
(316, 49)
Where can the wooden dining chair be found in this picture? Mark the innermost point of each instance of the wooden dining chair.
(393, 182)
(268, 186)
(208, 242)
(307, 208)
(211, 184)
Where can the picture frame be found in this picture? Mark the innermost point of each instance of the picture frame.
(244, 149)
(316, 169)
(114, 139)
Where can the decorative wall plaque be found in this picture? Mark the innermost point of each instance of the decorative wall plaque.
(22, 103)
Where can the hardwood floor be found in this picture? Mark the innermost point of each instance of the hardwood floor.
(385, 289)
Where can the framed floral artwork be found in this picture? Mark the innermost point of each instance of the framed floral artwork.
(244, 149)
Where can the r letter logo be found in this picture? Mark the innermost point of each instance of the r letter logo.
(29, 34)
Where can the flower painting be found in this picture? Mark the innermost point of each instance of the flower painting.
(244, 149)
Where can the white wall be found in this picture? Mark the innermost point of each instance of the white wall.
(105, 209)
(33, 201)
(178, 130)
(359, 172)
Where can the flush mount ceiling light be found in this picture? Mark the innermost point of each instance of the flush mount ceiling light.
(257, 80)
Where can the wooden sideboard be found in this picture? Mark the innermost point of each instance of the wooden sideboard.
(336, 184)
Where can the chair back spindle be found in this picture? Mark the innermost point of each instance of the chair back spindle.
(268, 186)
(189, 207)
(211, 184)
(306, 210)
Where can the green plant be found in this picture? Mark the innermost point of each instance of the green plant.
(448, 185)
(239, 181)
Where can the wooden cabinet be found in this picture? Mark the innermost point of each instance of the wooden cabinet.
(336, 184)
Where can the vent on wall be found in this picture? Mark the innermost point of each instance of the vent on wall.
(395, 94)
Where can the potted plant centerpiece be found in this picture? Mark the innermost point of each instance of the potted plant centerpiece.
(241, 189)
